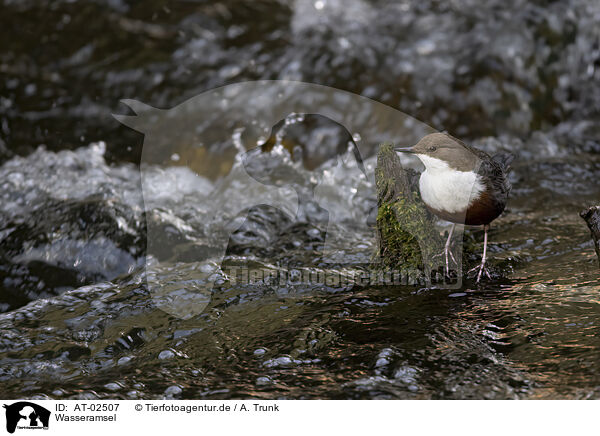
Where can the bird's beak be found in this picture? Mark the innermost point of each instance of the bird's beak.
(404, 149)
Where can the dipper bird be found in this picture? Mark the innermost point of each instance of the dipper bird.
(462, 184)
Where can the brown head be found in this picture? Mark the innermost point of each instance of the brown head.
(442, 147)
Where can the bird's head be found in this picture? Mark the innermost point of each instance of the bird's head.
(438, 151)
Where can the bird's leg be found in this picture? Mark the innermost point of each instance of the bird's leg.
(483, 257)
(447, 250)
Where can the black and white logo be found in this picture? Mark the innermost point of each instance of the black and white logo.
(26, 415)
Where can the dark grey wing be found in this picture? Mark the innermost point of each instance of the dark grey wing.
(495, 172)
(504, 160)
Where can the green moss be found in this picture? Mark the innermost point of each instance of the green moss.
(406, 230)
(401, 247)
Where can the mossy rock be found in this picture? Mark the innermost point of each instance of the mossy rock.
(407, 235)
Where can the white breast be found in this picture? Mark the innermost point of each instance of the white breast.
(444, 188)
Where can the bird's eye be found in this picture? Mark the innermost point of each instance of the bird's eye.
(432, 148)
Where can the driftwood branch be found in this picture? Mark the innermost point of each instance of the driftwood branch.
(592, 218)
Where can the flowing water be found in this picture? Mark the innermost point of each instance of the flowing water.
(81, 318)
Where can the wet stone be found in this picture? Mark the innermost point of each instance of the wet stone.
(280, 362)
(166, 354)
(173, 391)
(113, 387)
(124, 360)
(263, 381)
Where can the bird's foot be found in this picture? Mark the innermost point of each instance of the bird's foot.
(482, 269)
(447, 253)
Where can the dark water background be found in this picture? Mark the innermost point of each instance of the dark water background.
(78, 319)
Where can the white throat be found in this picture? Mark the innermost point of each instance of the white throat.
(447, 189)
